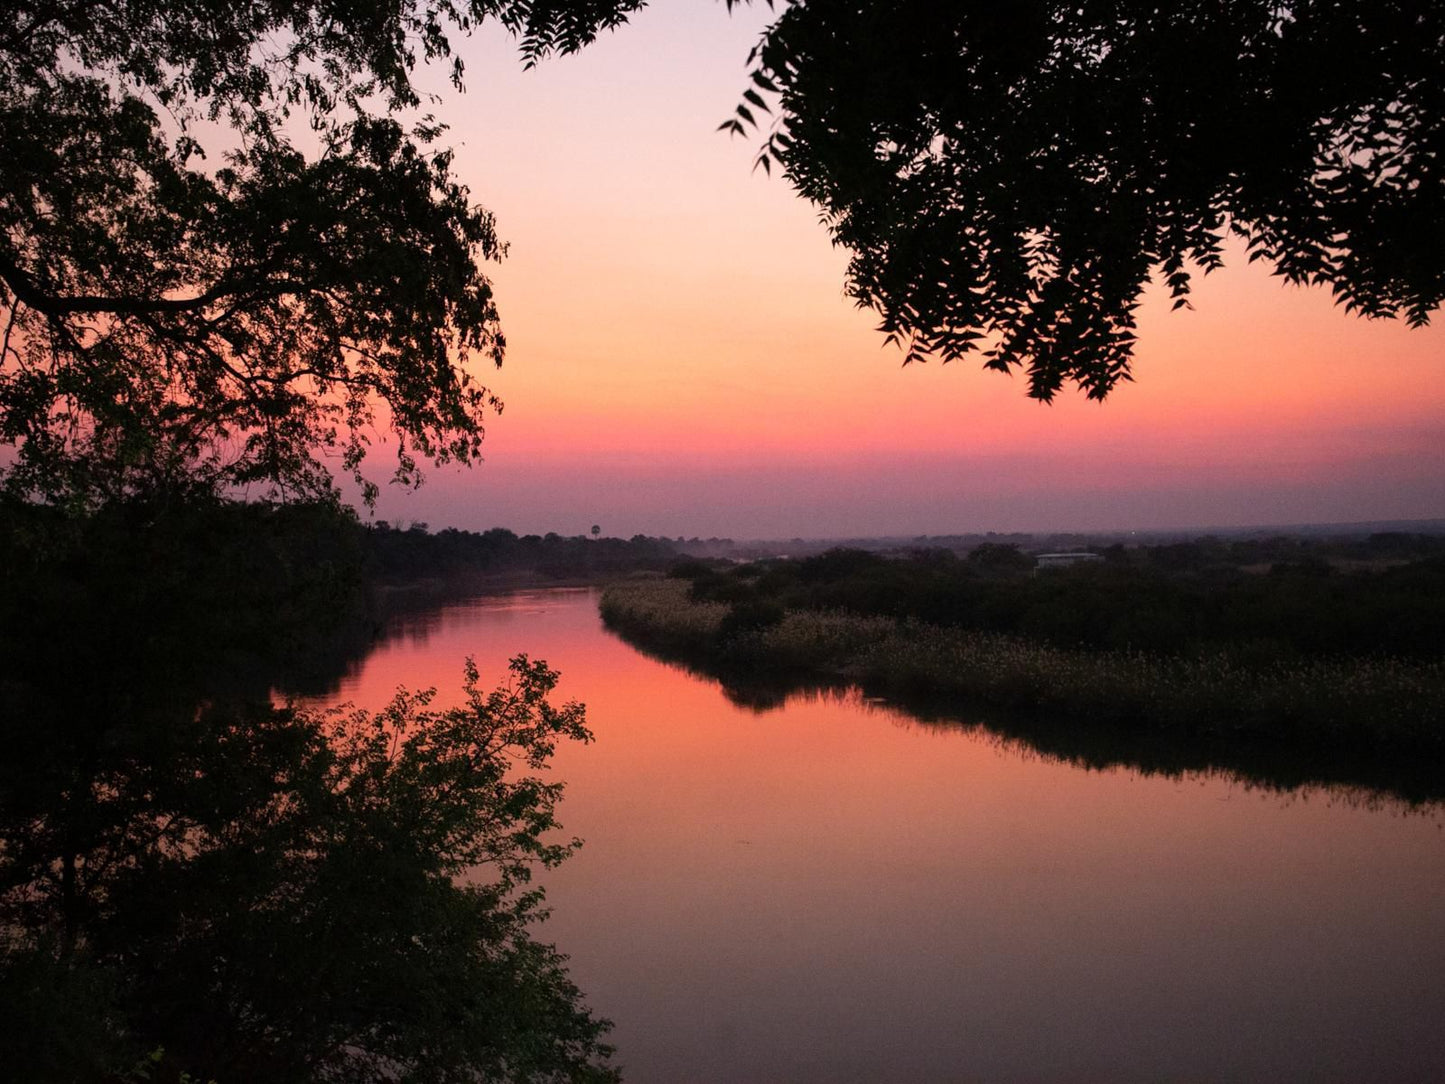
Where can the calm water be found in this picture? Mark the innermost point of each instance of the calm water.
(832, 892)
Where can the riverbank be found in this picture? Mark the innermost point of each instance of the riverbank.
(1359, 706)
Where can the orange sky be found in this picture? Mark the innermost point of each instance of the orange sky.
(682, 359)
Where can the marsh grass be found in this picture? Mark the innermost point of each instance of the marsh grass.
(1361, 704)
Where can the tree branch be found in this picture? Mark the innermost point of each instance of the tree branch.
(22, 285)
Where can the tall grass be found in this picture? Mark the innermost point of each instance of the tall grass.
(1360, 702)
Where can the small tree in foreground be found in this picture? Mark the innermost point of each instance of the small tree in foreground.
(298, 895)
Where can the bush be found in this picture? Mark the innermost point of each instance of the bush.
(747, 617)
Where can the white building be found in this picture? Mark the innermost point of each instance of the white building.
(1064, 560)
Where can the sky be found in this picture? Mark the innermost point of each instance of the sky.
(682, 358)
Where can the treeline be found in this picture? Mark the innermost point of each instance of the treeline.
(1343, 551)
(415, 554)
(251, 594)
(260, 543)
(234, 589)
(1320, 666)
(1260, 602)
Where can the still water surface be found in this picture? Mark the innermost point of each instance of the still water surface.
(833, 892)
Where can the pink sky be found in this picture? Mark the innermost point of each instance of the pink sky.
(682, 359)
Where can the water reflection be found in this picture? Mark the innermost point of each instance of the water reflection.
(835, 891)
(1367, 773)
(1408, 789)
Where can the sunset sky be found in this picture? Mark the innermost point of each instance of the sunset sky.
(682, 358)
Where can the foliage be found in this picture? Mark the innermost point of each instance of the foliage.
(400, 557)
(1009, 177)
(291, 895)
(751, 616)
(1376, 721)
(222, 248)
(266, 893)
(166, 605)
(649, 606)
(1000, 559)
(59, 1022)
(1174, 599)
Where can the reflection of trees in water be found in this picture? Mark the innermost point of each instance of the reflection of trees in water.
(1369, 779)
(1365, 776)
(265, 893)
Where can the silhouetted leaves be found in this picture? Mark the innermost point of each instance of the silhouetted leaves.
(1009, 177)
(228, 241)
(263, 892)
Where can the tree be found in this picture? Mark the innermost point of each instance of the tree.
(1009, 177)
(229, 236)
(998, 558)
(231, 242)
(364, 904)
(266, 893)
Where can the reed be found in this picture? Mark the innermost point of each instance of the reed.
(1371, 701)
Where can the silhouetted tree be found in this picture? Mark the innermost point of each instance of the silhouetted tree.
(1010, 176)
(266, 893)
(188, 304)
(1000, 559)
(226, 235)
(291, 896)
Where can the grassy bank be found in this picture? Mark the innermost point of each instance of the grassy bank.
(1355, 704)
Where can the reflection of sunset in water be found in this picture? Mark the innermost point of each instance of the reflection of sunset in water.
(830, 892)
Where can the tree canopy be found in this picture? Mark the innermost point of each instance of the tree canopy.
(262, 892)
(1009, 177)
(229, 237)
(233, 247)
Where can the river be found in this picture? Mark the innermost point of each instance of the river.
(832, 891)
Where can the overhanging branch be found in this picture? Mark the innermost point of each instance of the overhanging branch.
(23, 287)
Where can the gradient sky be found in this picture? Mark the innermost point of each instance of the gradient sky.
(682, 358)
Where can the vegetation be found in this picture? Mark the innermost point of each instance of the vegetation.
(260, 892)
(306, 916)
(1265, 601)
(1010, 177)
(472, 559)
(231, 241)
(936, 630)
(228, 236)
(291, 895)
